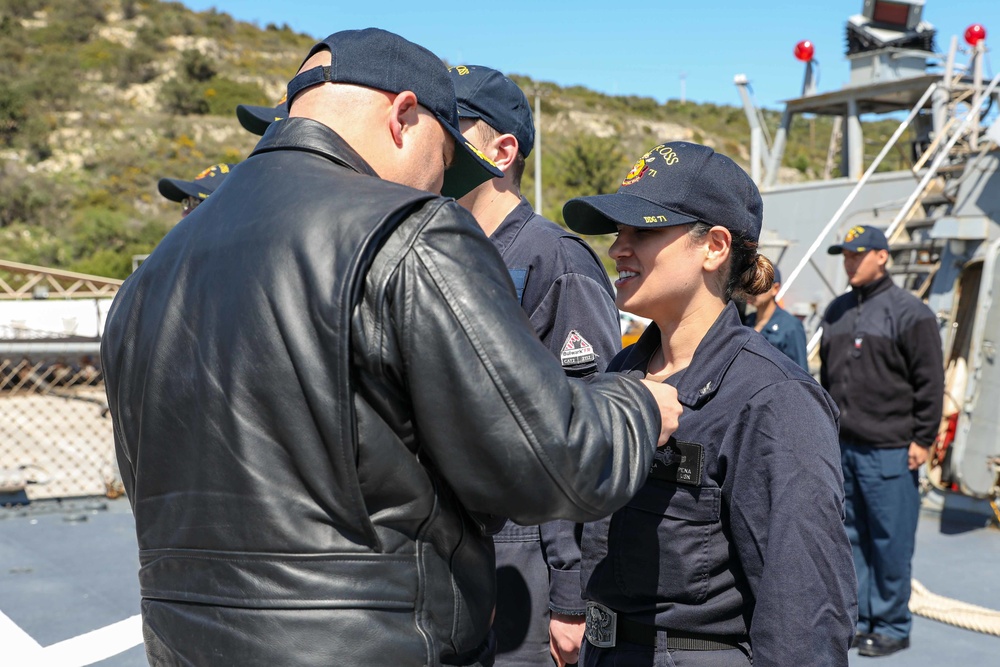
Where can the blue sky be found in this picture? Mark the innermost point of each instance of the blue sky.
(638, 47)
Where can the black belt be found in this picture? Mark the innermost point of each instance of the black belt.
(640, 633)
(606, 628)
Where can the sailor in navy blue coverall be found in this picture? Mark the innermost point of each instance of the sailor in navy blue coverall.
(567, 296)
(781, 329)
(734, 551)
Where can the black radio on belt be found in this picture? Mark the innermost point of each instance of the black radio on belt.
(679, 462)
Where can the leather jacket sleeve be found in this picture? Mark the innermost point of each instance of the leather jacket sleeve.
(492, 409)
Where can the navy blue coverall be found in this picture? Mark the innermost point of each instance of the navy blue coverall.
(567, 296)
(737, 538)
(784, 331)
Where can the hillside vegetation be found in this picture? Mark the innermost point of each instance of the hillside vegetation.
(101, 98)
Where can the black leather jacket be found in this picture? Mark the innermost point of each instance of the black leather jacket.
(316, 380)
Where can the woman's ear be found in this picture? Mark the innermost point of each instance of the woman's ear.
(717, 244)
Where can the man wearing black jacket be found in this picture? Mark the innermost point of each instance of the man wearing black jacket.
(882, 364)
(322, 387)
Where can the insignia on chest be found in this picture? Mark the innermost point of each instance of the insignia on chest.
(679, 462)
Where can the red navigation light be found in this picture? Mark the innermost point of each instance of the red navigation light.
(974, 34)
(804, 50)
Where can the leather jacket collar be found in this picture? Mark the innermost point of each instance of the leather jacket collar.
(304, 134)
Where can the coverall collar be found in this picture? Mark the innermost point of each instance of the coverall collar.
(715, 354)
(504, 235)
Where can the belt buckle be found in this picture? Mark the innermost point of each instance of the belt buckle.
(602, 625)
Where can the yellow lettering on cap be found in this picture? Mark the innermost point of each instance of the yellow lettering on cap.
(853, 233)
(461, 69)
(669, 156)
(480, 154)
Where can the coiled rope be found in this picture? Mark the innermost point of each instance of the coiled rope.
(960, 614)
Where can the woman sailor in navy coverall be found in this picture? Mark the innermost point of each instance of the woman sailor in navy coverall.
(734, 550)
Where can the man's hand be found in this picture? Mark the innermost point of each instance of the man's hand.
(670, 409)
(918, 456)
(565, 637)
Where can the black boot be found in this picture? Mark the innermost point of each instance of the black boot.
(876, 645)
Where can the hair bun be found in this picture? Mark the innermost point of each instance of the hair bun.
(759, 276)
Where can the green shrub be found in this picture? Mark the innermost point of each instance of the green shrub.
(33, 245)
(13, 111)
(196, 66)
(224, 94)
(184, 97)
(137, 65)
(130, 9)
(591, 165)
(21, 9)
(100, 54)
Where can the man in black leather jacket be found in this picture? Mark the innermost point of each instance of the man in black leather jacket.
(323, 387)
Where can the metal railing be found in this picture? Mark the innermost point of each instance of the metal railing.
(55, 430)
(839, 214)
(909, 207)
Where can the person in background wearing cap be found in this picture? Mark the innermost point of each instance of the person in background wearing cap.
(565, 291)
(781, 329)
(256, 119)
(734, 551)
(323, 388)
(192, 193)
(882, 363)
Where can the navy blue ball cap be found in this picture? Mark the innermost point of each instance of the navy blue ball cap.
(257, 119)
(674, 183)
(385, 61)
(486, 94)
(201, 187)
(860, 239)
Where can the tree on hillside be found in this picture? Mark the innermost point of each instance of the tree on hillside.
(592, 165)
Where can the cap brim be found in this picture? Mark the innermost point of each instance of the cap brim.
(840, 248)
(257, 119)
(177, 190)
(601, 214)
(469, 168)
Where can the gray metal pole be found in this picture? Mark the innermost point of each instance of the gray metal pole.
(538, 152)
(977, 97)
(778, 149)
(855, 142)
(759, 150)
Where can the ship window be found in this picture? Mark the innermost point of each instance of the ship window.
(891, 13)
